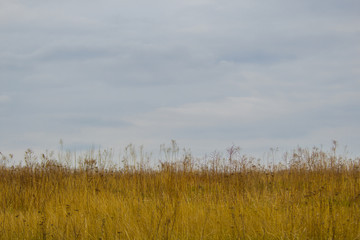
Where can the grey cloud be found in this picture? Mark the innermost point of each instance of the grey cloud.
(4, 98)
(93, 121)
(89, 66)
(257, 57)
(73, 53)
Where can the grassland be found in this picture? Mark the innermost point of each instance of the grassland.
(309, 194)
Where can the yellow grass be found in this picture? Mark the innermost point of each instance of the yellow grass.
(310, 195)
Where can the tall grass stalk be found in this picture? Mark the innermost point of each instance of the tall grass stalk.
(310, 194)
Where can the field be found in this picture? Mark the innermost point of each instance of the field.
(309, 194)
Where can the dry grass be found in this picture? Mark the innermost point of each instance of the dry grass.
(312, 194)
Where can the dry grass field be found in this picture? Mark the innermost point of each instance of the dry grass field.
(309, 194)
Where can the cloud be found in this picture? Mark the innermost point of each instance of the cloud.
(229, 110)
(4, 99)
(204, 72)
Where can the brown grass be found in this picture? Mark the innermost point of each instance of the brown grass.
(311, 194)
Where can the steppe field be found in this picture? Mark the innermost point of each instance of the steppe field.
(306, 194)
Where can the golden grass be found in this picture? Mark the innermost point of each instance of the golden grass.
(311, 195)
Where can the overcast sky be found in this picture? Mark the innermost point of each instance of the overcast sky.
(207, 73)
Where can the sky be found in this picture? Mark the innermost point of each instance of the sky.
(208, 74)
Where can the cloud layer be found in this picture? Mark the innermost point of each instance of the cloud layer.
(203, 72)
